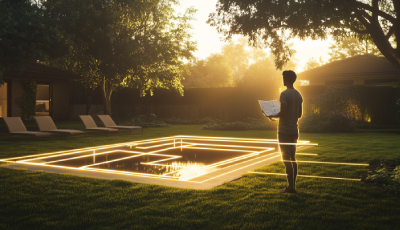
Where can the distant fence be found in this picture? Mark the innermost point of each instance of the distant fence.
(375, 104)
(222, 103)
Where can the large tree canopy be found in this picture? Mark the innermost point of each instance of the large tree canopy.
(272, 22)
(124, 43)
(25, 35)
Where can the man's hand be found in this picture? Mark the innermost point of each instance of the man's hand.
(269, 117)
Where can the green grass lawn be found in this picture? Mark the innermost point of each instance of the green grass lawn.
(37, 200)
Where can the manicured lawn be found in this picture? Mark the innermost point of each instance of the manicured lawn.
(37, 200)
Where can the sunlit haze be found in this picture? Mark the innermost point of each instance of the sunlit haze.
(209, 41)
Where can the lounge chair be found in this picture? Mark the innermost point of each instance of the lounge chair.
(46, 124)
(16, 126)
(109, 123)
(91, 125)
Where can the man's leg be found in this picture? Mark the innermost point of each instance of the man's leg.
(294, 138)
(287, 156)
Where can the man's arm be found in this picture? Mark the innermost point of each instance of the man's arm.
(281, 113)
(301, 110)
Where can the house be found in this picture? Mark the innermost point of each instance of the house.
(53, 91)
(358, 70)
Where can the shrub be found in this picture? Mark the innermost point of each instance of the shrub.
(335, 121)
(184, 121)
(247, 124)
(144, 121)
(385, 174)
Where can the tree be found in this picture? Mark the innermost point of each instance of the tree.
(215, 71)
(271, 23)
(124, 43)
(351, 47)
(236, 65)
(313, 63)
(263, 74)
(238, 56)
(25, 35)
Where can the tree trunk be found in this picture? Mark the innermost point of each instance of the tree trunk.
(107, 91)
(89, 97)
(381, 41)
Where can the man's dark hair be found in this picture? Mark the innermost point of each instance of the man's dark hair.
(290, 76)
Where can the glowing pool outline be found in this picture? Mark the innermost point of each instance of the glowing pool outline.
(180, 144)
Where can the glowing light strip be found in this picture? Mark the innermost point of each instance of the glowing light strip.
(158, 140)
(227, 138)
(333, 163)
(232, 138)
(153, 146)
(232, 150)
(219, 163)
(90, 155)
(154, 153)
(133, 174)
(321, 177)
(208, 166)
(142, 142)
(306, 143)
(237, 169)
(62, 153)
(104, 170)
(265, 141)
(148, 175)
(140, 174)
(239, 158)
(214, 166)
(233, 146)
(90, 148)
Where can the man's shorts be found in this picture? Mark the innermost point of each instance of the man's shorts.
(288, 151)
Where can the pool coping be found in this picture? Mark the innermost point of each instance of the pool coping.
(211, 180)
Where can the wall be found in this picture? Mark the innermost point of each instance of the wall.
(61, 94)
(375, 104)
(229, 104)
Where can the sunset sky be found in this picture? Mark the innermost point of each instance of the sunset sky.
(208, 40)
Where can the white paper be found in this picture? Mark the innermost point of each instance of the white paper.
(270, 107)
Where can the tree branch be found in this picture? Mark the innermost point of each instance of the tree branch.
(380, 13)
(390, 32)
(360, 16)
(375, 10)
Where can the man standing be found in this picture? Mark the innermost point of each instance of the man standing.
(291, 110)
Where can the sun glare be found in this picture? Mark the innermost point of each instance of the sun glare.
(209, 40)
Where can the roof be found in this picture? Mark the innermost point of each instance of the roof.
(366, 66)
(36, 70)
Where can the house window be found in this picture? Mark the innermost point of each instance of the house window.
(3, 100)
(43, 100)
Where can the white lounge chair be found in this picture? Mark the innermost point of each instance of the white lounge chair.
(91, 125)
(46, 124)
(16, 126)
(109, 123)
